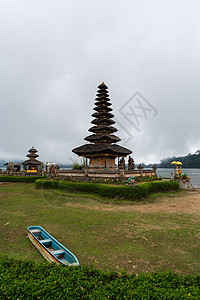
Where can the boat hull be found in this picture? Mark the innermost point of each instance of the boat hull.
(43, 251)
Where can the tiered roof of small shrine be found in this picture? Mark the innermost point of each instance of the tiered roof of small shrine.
(32, 157)
(102, 140)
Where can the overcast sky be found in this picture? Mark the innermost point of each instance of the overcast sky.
(54, 54)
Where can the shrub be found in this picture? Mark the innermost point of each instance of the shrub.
(76, 165)
(23, 279)
(27, 179)
(109, 191)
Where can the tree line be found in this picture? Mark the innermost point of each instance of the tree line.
(188, 161)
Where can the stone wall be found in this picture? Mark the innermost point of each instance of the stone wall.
(185, 185)
(105, 174)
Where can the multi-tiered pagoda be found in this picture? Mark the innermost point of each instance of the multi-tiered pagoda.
(31, 165)
(102, 149)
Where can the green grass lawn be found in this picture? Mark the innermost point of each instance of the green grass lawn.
(111, 236)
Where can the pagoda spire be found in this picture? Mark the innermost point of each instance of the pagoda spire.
(103, 119)
(102, 149)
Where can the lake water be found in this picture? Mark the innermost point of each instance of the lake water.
(193, 173)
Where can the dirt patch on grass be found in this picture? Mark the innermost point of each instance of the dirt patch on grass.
(187, 203)
(3, 195)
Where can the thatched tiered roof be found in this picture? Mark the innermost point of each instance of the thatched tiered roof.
(102, 139)
(32, 158)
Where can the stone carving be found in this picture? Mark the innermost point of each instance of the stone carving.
(121, 164)
(140, 168)
(131, 164)
(41, 169)
(10, 169)
(154, 169)
(56, 169)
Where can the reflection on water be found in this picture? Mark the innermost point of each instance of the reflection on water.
(193, 173)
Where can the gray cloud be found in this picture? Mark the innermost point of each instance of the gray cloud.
(53, 55)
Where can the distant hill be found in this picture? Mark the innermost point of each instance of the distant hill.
(188, 161)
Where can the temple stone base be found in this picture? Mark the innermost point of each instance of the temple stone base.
(185, 185)
(103, 174)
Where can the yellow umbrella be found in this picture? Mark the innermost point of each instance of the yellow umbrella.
(179, 163)
(173, 163)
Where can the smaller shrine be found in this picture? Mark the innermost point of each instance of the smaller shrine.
(32, 166)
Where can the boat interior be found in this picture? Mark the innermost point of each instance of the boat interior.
(54, 248)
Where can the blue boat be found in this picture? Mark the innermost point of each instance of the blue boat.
(50, 248)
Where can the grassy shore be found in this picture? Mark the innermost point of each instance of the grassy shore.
(144, 237)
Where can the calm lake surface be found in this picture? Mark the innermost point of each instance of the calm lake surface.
(193, 173)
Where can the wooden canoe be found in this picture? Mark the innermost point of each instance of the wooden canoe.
(50, 248)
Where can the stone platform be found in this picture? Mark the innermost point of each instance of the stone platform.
(106, 174)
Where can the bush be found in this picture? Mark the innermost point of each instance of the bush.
(76, 165)
(22, 279)
(27, 179)
(104, 190)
